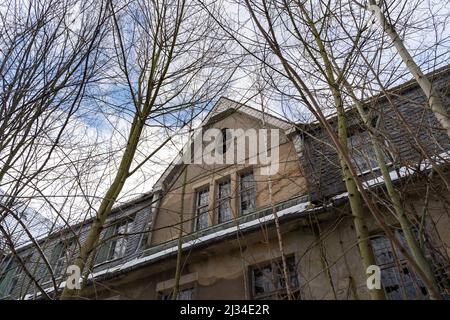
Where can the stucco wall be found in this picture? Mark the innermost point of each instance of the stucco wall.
(287, 183)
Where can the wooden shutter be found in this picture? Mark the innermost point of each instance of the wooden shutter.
(7, 276)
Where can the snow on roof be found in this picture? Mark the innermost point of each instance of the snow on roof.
(30, 220)
(402, 172)
(300, 208)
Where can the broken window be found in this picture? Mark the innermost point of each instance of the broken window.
(115, 241)
(247, 193)
(201, 211)
(397, 277)
(119, 244)
(268, 281)
(223, 201)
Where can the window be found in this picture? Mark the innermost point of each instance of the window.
(246, 193)
(119, 244)
(60, 255)
(268, 281)
(398, 279)
(441, 271)
(201, 209)
(116, 246)
(9, 277)
(223, 201)
(226, 140)
(184, 294)
(362, 153)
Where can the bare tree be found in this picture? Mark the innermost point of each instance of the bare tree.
(48, 59)
(294, 35)
(381, 11)
(168, 58)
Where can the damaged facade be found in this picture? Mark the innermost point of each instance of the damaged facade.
(227, 217)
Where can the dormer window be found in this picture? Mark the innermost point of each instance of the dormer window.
(115, 241)
(362, 153)
(61, 254)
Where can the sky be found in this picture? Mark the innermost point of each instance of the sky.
(100, 137)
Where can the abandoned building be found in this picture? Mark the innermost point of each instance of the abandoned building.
(232, 217)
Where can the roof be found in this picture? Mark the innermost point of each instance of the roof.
(30, 221)
(378, 98)
(46, 235)
(225, 104)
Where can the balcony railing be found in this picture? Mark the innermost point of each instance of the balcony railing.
(225, 225)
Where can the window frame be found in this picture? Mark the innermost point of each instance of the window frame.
(397, 268)
(198, 207)
(167, 294)
(361, 154)
(221, 199)
(278, 291)
(12, 278)
(61, 261)
(128, 223)
(242, 191)
(113, 239)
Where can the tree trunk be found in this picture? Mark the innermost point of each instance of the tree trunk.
(176, 287)
(362, 233)
(109, 200)
(354, 196)
(400, 213)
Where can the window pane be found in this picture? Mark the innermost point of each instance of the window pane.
(292, 274)
(247, 202)
(224, 209)
(263, 280)
(119, 244)
(64, 250)
(119, 248)
(59, 267)
(226, 141)
(202, 210)
(383, 250)
(186, 294)
(247, 193)
(391, 282)
(398, 280)
(247, 181)
(224, 189)
(202, 218)
(362, 153)
(203, 198)
(269, 281)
